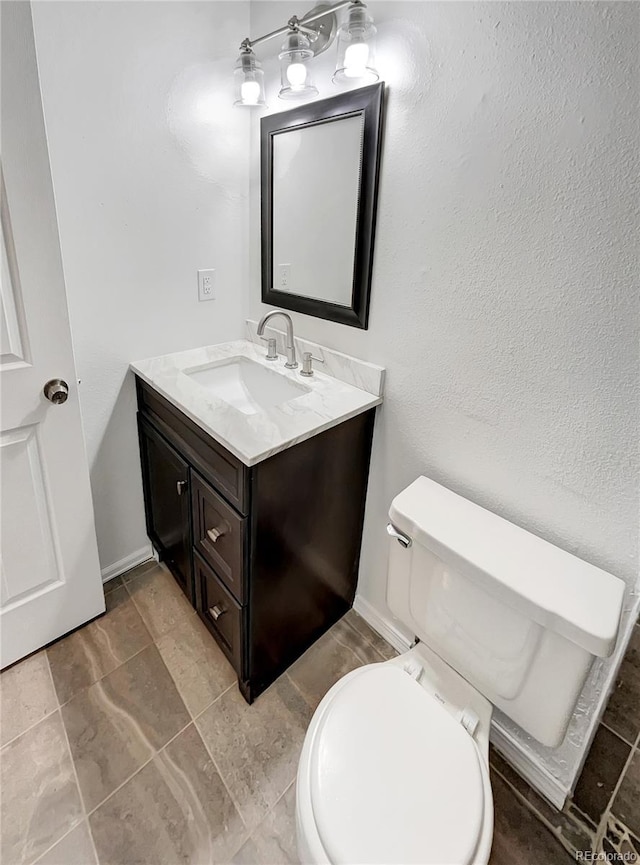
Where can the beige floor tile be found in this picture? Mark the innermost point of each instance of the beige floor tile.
(136, 572)
(26, 696)
(160, 601)
(88, 654)
(256, 748)
(248, 854)
(110, 585)
(118, 723)
(198, 667)
(40, 798)
(355, 621)
(336, 653)
(175, 810)
(274, 840)
(76, 848)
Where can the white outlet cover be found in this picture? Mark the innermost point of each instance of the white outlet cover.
(206, 284)
(284, 275)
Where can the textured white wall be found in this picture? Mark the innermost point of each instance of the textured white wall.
(504, 303)
(149, 162)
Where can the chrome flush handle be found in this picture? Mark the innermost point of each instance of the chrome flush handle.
(393, 532)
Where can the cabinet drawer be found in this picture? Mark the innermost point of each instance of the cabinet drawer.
(220, 612)
(219, 535)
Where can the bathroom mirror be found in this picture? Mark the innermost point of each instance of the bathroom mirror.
(319, 178)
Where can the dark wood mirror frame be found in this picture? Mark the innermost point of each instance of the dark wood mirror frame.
(367, 101)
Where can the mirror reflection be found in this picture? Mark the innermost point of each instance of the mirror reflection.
(316, 169)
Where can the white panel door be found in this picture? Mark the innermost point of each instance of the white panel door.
(50, 575)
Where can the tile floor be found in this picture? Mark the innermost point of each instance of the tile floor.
(128, 742)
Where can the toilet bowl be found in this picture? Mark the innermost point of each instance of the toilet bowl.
(394, 767)
(389, 772)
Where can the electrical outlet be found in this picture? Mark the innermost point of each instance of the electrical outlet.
(284, 271)
(205, 284)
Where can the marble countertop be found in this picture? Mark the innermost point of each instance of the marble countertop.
(255, 437)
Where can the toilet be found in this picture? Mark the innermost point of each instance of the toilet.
(394, 767)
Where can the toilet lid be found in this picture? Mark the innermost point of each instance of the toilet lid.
(394, 777)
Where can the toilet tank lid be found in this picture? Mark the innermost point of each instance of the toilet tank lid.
(551, 586)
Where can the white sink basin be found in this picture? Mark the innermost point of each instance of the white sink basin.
(246, 385)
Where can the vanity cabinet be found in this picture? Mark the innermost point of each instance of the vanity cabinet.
(166, 491)
(268, 554)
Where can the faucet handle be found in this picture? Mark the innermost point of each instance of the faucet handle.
(307, 363)
(272, 354)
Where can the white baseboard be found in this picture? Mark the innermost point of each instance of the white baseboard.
(531, 770)
(387, 629)
(128, 562)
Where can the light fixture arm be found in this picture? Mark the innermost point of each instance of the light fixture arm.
(296, 23)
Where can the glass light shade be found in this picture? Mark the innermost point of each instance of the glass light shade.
(248, 81)
(356, 48)
(295, 76)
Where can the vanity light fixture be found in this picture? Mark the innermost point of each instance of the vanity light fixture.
(307, 37)
(356, 47)
(295, 75)
(249, 78)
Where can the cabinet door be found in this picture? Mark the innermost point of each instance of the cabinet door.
(166, 492)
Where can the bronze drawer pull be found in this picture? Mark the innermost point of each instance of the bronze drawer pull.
(214, 534)
(216, 612)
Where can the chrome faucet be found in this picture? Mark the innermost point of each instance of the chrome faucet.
(291, 363)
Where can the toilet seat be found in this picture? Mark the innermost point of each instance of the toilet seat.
(379, 789)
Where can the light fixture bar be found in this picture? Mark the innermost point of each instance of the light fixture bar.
(314, 16)
(295, 22)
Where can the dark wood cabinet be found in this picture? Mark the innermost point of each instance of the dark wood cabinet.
(267, 554)
(167, 500)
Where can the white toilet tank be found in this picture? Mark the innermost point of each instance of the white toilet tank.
(519, 618)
